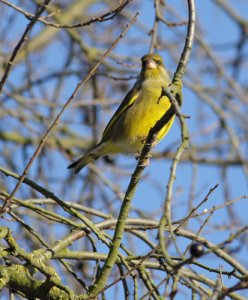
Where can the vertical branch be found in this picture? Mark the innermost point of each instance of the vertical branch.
(154, 30)
(188, 43)
(177, 85)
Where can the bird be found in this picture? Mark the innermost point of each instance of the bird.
(139, 111)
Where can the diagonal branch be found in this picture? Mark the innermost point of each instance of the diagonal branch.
(23, 38)
(174, 109)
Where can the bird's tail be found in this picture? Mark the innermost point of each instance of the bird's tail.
(84, 160)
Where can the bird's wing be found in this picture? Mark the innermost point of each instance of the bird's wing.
(131, 96)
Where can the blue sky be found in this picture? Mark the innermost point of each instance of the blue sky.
(217, 30)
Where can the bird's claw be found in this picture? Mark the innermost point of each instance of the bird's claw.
(153, 144)
(146, 160)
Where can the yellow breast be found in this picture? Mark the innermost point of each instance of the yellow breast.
(135, 123)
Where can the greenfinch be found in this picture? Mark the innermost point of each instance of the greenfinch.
(139, 111)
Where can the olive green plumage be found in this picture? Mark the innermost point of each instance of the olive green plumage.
(139, 111)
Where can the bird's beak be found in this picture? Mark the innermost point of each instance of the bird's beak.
(150, 64)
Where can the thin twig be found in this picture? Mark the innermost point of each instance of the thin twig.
(104, 17)
(23, 38)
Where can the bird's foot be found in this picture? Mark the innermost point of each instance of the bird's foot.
(146, 160)
(153, 144)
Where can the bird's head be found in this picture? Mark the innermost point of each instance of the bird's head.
(153, 68)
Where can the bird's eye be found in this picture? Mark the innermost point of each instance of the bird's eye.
(158, 62)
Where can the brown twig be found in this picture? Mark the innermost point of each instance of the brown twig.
(104, 17)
